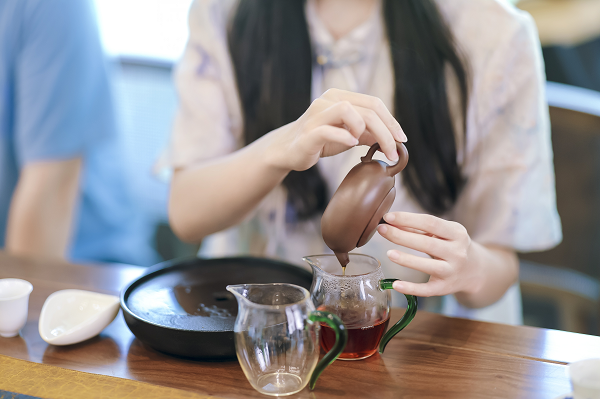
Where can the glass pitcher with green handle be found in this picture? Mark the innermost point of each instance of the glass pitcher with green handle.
(277, 337)
(361, 298)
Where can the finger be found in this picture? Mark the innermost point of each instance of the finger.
(339, 114)
(432, 246)
(367, 139)
(433, 267)
(416, 231)
(373, 103)
(380, 132)
(330, 134)
(431, 288)
(430, 224)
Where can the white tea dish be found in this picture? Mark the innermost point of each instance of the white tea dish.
(585, 379)
(72, 316)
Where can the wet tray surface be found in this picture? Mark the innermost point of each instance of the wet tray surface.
(182, 307)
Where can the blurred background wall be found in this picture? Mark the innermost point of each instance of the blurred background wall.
(143, 39)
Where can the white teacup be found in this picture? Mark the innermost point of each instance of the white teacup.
(585, 378)
(14, 301)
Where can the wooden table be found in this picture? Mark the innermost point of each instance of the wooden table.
(436, 356)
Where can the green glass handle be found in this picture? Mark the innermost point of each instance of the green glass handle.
(341, 338)
(411, 310)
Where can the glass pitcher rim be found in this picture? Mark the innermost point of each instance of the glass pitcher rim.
(304, 258)
(260, 305)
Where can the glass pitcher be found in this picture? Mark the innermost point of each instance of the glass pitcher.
(361, 298)
(277, 337)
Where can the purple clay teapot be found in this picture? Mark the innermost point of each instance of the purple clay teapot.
(358, 205)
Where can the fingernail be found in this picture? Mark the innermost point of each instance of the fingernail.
(394, 157)
(403, 137)
(389, 217)
(398, 285)
(383, 229)
(393, 255)
(400, 133)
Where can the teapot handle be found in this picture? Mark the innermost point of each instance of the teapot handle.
(341, 338)
(394, 169)
(409, 314)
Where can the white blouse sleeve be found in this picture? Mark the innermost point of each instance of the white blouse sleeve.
(509, 199)
(208, 122)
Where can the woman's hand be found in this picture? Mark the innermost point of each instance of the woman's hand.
(478, 275)
(449, 246)
(335, 122)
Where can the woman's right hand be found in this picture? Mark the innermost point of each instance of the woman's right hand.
(334, 122)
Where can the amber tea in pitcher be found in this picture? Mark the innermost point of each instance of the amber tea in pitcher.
(361, 299)
(363, 341)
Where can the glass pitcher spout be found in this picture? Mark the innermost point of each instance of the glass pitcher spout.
(270, 295)
(237, 290)
(313, 261)
(240, 291)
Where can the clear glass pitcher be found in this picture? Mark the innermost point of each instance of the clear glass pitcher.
(277, 337)
(361, 298)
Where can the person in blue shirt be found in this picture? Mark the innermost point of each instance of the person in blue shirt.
(63, 192)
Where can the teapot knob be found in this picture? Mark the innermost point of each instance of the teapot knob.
(393, 169)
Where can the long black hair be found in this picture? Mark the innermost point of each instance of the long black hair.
(271, 53)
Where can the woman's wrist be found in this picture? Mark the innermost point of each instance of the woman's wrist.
(489, 277)
(272, 152)
(475, 273)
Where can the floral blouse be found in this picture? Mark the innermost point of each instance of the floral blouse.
(509, 198)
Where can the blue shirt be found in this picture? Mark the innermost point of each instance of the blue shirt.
(55, 103)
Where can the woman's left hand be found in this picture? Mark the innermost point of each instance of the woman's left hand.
(447, 243)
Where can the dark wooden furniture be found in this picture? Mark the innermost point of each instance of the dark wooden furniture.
(569, 274)
(436, 356)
